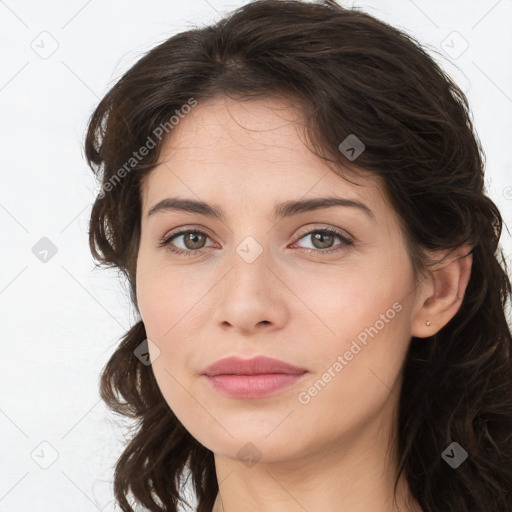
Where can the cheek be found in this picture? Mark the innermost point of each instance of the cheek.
(341, 304)
(165, 295)
(362, 320)
(168, 304)
(170, 347)
(356, 373)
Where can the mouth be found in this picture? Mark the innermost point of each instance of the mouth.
(258, 377)
(261, 365)
(253, 386)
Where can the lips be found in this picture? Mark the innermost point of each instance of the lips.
(256, 366)
(254, 378)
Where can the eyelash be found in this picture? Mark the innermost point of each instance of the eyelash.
(189, 252)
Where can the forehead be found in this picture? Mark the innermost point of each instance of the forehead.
(224, 130)
(253, 150)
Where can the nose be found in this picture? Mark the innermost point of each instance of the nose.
(250, 296)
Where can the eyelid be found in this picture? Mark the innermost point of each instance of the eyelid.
(303, 231)
(346, 238)
(319, 227)
(346, 242)
(186, 229)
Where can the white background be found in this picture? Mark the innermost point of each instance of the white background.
(61, 320)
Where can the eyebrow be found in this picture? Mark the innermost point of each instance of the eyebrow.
(281, 210)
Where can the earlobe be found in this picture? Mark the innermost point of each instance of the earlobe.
(449, 279)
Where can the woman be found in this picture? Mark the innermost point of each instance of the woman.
(296, 196)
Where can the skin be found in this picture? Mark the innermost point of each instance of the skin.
(336, 452)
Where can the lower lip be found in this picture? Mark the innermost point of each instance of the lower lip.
(253, 386)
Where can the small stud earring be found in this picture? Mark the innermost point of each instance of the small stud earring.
(428, 322)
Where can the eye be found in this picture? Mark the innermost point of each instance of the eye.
(194, 241)
(323, 238)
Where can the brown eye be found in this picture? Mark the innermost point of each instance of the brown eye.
(193, 242)
(323, 240)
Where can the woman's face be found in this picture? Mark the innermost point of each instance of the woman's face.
(340, 306)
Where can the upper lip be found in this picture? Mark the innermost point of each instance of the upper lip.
(256, 366)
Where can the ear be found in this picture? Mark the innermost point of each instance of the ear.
(442, 292)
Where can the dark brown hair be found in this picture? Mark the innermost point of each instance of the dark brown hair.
(352, 74)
